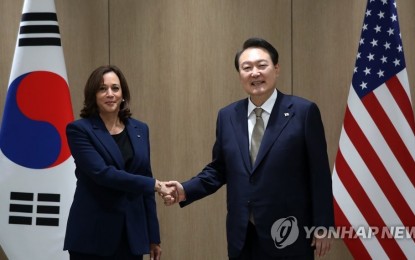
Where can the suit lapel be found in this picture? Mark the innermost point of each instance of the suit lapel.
(134, 133)
(281, 114)
(107, 141)
(239, 122)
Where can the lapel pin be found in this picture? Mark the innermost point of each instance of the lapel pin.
(138, 136)
(286, 114)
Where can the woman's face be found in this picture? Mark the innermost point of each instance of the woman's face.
(109, 95)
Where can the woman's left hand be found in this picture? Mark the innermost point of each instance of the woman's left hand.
(155, 252)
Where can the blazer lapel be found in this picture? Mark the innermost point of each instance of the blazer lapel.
(134, 134)
(107, 141)
(239, 122)
(281, 114)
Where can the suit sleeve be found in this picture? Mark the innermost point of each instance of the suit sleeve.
(321, 185)
(211, 178)
(90, 162)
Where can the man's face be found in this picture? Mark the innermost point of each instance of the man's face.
(258, 74)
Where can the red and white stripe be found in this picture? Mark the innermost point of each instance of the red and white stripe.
(374, 171)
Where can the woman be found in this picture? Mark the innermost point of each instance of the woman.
(113, 214)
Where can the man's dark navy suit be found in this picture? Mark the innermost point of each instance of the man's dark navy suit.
(291, 175)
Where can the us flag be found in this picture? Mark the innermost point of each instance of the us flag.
(374, 171)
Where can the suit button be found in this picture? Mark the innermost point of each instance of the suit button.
(251, 180)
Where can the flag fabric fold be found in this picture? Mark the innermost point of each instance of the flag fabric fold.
(37, 179)
(374, 171)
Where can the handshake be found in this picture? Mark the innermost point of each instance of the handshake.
(170, 191)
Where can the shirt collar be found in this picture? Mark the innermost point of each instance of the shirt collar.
(267, 106)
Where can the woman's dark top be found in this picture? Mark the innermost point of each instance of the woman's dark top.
(125, 147)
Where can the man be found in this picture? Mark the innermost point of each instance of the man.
(278, 188)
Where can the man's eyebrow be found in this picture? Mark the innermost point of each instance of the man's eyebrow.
(253, 61)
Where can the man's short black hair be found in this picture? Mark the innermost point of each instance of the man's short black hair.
(257, 43)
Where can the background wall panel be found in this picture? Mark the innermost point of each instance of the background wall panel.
(406, 9)
(85, 41)
(324, 50)
(10, 25)
(178, 57)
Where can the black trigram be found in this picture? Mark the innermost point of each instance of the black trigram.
(24, 208)
(39, 29)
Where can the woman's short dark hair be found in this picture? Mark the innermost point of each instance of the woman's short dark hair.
(257, 43)
(92, 86)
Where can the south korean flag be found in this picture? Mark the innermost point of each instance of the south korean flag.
(37, 178)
